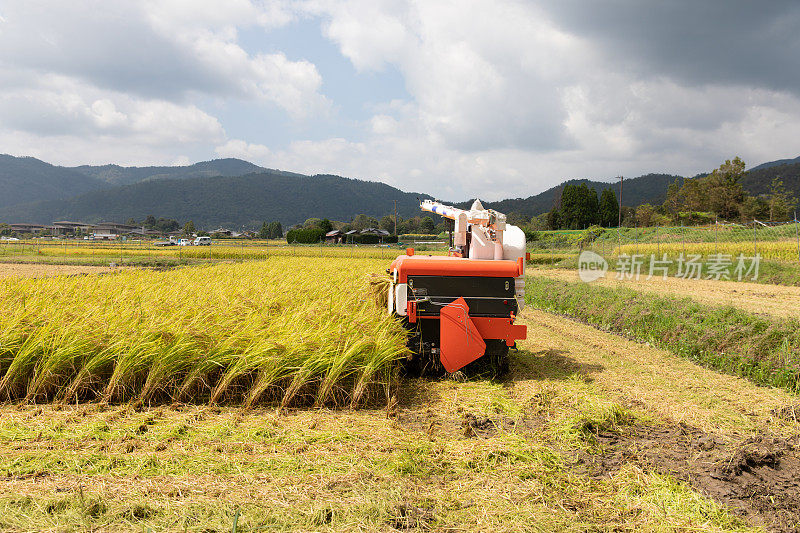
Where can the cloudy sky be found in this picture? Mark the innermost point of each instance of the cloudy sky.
(455, 98)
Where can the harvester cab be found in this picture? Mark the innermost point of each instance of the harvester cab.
(460, 309)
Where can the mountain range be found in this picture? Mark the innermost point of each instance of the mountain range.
(236, 193)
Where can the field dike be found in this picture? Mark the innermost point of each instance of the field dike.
(763, 349)
(756, 298)
(289, 330)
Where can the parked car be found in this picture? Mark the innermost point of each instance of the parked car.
(185, 242)
(202, 241)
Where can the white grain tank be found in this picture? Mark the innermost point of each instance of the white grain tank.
(513, 249)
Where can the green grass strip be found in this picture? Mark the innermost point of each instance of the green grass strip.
(763, 349)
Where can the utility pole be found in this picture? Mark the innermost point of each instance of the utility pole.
(395, 217)
(619, 222)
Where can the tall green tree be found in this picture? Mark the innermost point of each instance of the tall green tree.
(361, 222)
(725, 193)
(755, 207)
(781, 202)
(264, 232)
(167, 224)
(275, 230)
(553, 219)
(720, 192)
(674, 201)
(427, 225)
(609, 209)
(189, 228)
(645, 215)
(570, 206)
(387, 223)
(579, 207)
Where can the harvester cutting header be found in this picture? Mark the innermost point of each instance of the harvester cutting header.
(461, 308)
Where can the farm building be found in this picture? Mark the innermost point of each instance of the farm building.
(380, 233)
(334, 237)
(375, 231)
(65, 227)
(27, 228)
(350, 236)
(112, 230)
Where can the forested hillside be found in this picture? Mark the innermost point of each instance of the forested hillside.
(235, 192)
(777, 163)
(27, 179)
(117, 175)
(650, 188)
(758, 181)
(228, 201)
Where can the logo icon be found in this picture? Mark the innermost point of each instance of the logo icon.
(591, 266)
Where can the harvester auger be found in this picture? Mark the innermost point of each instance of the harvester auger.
(460, 308)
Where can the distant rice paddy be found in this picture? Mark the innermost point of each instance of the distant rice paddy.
(223, 250)
(23, 270)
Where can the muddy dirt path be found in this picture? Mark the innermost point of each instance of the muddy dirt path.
(776, 300)
(728, 438)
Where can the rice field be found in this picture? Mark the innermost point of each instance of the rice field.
(289, 331)
(770, 250)
(588, 430)
(11, 270)
(222, 251)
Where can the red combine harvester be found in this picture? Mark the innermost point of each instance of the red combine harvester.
(460, 309)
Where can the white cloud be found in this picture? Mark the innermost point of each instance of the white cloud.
(505, 97)
(69, 122)
(170, 50)
(62, 106)
(507, 100)
(200, 15)
(243, 150)
(483, 74)
(127, 81)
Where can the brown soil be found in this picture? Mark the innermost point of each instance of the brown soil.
(776, 300)
(758, 478)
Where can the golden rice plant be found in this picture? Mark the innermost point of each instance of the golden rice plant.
(287, 330)
(379, 288)
(771, 250)
(216, 251)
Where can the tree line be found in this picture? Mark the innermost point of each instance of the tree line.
(579, 208)
(719, 195)
(415, 225)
